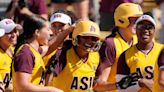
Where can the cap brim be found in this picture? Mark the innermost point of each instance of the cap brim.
(90, 34)
(148, 21)
(17, 26)
(8, 30)
(64, 22)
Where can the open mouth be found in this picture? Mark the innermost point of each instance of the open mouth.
(87, 45)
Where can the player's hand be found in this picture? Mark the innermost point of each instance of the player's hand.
(68, 27)
(147, 83)
(127, 81)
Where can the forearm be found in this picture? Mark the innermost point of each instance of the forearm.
(56, 41)
(33, 88)
(24, 85)
(161, 77)
(161, 84)
(105, 87)
(44, 16)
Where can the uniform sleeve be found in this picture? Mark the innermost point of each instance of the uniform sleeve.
(42, 8)
(122, 67)
(161, 60)
(108, 52)
(24, 61)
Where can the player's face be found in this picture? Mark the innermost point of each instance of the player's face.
(132, 26)
(11, 38)
(87, 43)
(44, 34)
(56, 27)
(145, 32)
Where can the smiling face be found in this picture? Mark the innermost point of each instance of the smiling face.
(87, 43)
(13, 36)
(56, 27)
(145, 31)
(10, 38)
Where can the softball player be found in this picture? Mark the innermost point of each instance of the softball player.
(59, 21)
(158, 74)
(141, 57)
(2, 32)
(28, 67)
(120, 40)
(76, 66)
(8, 40)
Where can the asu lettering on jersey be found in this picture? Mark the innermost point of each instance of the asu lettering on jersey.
(37, 75)
(77, 76)
(83, 83)
(134, 60)
(159, 65)
(5, 67)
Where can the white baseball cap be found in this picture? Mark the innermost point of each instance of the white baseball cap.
(60, 17)
(2, 32)
(147, 18)
(8, 25)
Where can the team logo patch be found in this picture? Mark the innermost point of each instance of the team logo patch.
(136, 60)
(8, 22)
(92, 28)
(57, 16)
(5, 63)
(94, 67)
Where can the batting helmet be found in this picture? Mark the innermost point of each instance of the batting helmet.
(85, 28)
(124, 11)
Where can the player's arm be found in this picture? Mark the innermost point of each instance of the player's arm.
(122, 84)
(107, 57)
(56, 41)
(23, 67)
(147, 83)
(161, 78)
(161, 70)
(104, 87)
(122, 71)
(23, 84)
